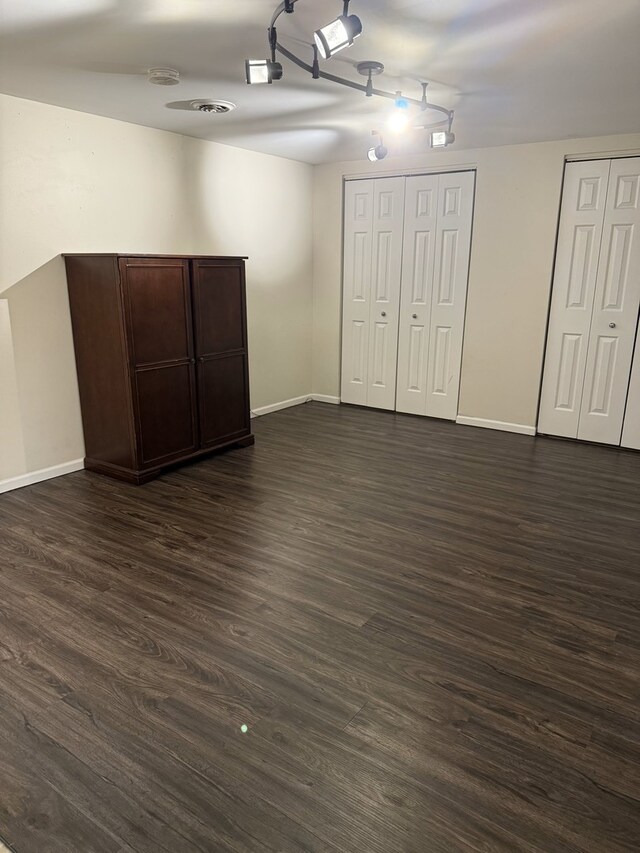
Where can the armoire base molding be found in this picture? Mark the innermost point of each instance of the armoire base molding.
(504, 426)
(32, 477)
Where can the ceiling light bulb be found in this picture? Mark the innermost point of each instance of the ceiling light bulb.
(398, 121)
(262, 70)
(337, 35)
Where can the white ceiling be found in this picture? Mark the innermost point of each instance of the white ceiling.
(513, 70)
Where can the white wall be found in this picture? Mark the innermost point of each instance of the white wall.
(516, 211)
(72, 182)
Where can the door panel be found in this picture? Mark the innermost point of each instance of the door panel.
(165, 404)
(157, 298)
(218, 296)
(615, 311)
(387, 234)
(576, 270)
(223, 379)
(358, 223)
(420, 217)
(223, 399)
(449, 292)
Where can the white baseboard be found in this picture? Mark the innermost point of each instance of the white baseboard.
(522, 429)
(294, 401)
(283, 404)
(325, 398)
(43, 474)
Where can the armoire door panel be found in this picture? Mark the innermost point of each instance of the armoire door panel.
(615, 310)
(386, 273)
(420, 218)
(358, 225)
(158, 301)
(449, 292)
(576, 270)
(222, 385)
(219, 310)
(166, 413)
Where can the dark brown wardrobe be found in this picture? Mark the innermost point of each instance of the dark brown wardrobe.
(161, 353)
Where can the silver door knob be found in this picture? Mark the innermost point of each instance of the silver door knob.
(383, 314)
(612, 325)
(415, 316)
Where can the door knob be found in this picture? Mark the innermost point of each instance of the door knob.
(612, 325)
(383, 314)
(415, 316)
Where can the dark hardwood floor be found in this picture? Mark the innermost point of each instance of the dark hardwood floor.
(431, 631)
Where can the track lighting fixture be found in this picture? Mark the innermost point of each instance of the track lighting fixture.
(328, 40)
(339, 33)
(262, 70)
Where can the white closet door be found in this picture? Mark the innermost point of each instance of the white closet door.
(449, 292)
(358, 229)
(579, 236)
(419, 244)
(631, 429)
(615, 310)
(386, 270)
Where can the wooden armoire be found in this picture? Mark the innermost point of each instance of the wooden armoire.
(161, 354)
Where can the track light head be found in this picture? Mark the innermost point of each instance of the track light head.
(377, 152)
(262, 70)
(441, 138)
(338, 34)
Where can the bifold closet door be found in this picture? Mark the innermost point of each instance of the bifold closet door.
(595, 300)
(373, 222)
(437, 242)
(615, 311)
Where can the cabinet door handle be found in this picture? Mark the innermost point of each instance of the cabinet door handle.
(612, 325)
(415, 316)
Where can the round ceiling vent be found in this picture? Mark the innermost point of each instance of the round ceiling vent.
(218, 107)
(163, 76)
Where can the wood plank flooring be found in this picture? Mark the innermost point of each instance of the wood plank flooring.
(431, 631)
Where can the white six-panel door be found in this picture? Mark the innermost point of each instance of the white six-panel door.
(449, 293)
(594, 307)
(404, 296)
(386, 271)
(579, 234)
(420, 221)
(373, 223)
(437, 240)
(615, 310)
(356, 303)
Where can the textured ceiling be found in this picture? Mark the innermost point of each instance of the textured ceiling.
(513, 70)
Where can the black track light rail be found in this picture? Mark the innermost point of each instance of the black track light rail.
(316, 72)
